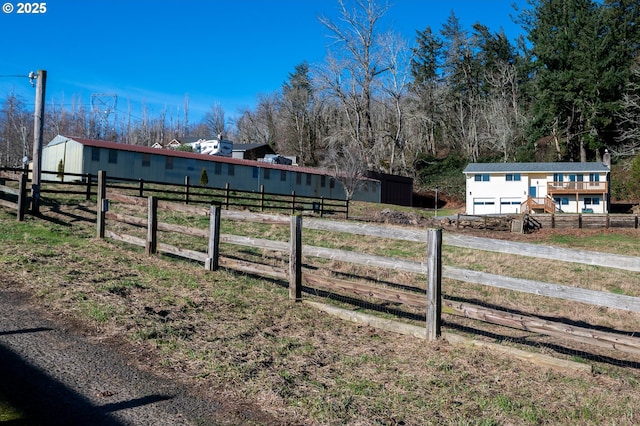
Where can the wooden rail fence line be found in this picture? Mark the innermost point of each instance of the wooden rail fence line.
(553, 221)
(19, 194)
(84, 185)
(431, 299)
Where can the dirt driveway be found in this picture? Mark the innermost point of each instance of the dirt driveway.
(58, 375)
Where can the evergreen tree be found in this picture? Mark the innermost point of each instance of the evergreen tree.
(621, 73)
(425, 65)
(297, 100)
(582, 51)
(60, 174)
(204, 178)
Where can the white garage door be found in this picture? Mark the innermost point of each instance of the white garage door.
(484, 206)
(509, 205)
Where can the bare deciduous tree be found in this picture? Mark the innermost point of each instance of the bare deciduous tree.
(15, 127)
(504, 122)
(214, 120)
(394, 85)
(353, 67)
(261, 125)
(629, 115)
(347, 166)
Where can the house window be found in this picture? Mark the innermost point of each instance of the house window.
(168, 163)
(267, 174)
(146, 160)
(217, 169)
(323, 181)
(558, 177)
(484, 177)
(594, 177)
(298, 178)
(513, 177)
(308, 179)
(191, 164)
(332, 184)
(283, 175)
(113, 156)
(595, 201)
(564, 201)
(256, 172)
(231, 170)
(95, 154)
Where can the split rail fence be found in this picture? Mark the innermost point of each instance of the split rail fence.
(15, 197)
(428, 298)
(85, 186)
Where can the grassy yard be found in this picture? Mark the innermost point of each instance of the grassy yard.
(241, 336)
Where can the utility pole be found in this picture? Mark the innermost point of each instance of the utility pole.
(38, 128)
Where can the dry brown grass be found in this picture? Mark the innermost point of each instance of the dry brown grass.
(240, 337)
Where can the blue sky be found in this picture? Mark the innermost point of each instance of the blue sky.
(224, 52)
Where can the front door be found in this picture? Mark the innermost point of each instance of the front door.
(532, 192)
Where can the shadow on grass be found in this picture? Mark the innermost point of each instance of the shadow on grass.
(395, 309)
(42, 400)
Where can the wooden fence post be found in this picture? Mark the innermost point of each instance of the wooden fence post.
(140, 188)
(212, 261)
(186, 189)
(152, 227)
(88, 193)
(321, 206)
(22, 197)
(295, 259)
(346, 213)
(261, 198)
(434, 284)
(226, 189)
(101, 207)
(293, 202)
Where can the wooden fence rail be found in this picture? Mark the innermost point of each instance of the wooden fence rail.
(431, 299)
(554, 221)
(15, 198)
(83, 185)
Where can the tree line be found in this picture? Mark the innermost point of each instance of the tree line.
(566, 90)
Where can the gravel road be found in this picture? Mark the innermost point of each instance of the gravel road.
(61, 376)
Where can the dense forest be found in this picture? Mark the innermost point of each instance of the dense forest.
(568, 89)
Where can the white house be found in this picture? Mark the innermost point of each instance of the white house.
(501, 188)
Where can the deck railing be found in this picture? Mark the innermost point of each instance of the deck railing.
(572, 187)
(538, 203)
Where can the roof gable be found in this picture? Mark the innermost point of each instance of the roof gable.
(559, 167)
(184, 154)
